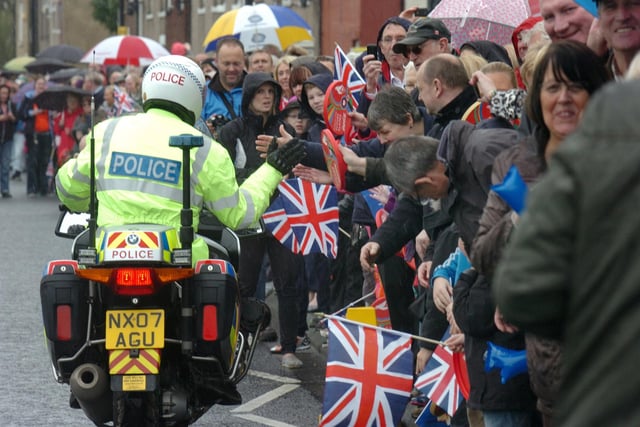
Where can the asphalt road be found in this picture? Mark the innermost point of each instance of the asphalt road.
(29, 395)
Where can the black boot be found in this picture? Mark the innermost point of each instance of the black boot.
(255, 315)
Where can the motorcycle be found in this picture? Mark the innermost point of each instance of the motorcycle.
(142, 335)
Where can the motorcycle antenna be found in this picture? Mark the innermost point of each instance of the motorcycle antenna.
(88, 256)
(184, 255)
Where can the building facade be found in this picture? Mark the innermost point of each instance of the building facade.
(43, 23)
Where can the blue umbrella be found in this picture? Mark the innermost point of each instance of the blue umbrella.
(589, 5)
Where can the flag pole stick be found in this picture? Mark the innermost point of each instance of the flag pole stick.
(345, 233)
(415, 337)
(325, 316)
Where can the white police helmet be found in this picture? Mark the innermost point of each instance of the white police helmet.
(174, 83)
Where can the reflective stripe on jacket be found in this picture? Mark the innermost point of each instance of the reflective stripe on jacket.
(140, 179)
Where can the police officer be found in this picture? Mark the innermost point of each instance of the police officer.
(139, 174)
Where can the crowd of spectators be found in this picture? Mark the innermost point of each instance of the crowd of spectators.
(426, 150)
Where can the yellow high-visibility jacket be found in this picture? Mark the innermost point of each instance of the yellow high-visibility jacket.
(139, 177)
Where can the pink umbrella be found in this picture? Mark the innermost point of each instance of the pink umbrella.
(492, 20)
(125, 50)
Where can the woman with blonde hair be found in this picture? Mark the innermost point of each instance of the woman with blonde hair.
(281, 73)
(472, 62)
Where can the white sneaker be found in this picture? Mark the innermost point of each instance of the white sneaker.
(290, 361)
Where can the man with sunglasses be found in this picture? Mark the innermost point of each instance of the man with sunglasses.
(426, 37)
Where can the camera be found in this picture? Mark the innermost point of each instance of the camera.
(217, 120)
(372, 49)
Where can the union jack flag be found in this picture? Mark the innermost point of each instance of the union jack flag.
(438, 381)
(304, 217)
(124, 102)
(346, 72)
(369, 375)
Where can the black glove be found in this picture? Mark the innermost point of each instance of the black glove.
(287, 156)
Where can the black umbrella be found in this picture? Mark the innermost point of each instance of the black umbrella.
(55, 98)
(63, 75)
(63, 52)
(46, 65)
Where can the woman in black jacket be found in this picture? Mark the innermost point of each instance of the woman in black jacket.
(260, 116)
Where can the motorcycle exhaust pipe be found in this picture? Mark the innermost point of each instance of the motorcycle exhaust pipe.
(90, 386)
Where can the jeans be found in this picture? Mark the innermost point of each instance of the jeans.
(317, 271)
(18, 156)
(287, 270)
(6, 148)
(39, 152)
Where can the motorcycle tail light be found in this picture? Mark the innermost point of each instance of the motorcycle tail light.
(63, 322)
(209, 322)
(135, 280)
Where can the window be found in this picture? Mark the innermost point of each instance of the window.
(219, 6)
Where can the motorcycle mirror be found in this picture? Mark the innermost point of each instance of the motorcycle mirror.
(71, 224)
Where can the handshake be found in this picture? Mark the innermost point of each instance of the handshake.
(287, 156)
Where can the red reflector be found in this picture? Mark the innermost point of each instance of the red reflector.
(210, 322)
(133, 281)
(63, 322)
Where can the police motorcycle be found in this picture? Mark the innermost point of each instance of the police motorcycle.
(141, 336)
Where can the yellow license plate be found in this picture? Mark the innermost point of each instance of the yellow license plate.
(134, 329)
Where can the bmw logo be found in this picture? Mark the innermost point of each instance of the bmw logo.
(133, 240)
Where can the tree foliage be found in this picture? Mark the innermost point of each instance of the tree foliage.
(106, 12)
(7, 30)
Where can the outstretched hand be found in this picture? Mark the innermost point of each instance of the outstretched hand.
(263, 141)
(284, 158)
(355, 163)
(312, 174)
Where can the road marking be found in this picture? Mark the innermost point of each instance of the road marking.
(264, 421)
(254, 404)
(272, 377)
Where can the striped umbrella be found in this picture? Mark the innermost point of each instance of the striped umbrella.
(125, 50)
(258, 25)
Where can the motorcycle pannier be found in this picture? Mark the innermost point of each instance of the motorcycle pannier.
(64, 299)
(215, 298)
